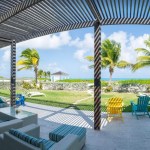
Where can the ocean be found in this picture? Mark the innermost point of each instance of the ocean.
(118, 79)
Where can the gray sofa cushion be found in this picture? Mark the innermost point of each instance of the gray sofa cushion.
(38, 142)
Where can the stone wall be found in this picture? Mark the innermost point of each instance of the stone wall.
(50, 86)
(65, 86)
(133, 88)
(6, 85)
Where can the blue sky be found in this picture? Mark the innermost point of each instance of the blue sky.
(66, 51)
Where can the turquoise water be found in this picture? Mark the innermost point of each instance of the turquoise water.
(117, 79)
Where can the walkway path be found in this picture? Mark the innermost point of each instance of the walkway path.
(78, 101)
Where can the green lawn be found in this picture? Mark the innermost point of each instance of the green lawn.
(67, 98)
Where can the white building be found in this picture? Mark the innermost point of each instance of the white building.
(59, 76)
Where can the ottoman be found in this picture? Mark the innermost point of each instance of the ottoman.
(63, 130)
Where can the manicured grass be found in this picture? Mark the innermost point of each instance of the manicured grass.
(127, 97)
(67, 98)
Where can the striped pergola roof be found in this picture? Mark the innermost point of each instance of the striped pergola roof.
(21, 20)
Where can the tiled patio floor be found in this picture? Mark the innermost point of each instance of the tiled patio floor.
(132, 134)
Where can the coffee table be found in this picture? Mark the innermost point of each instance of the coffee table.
(27, 117)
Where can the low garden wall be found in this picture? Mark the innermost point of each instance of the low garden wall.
(6, 85)
(132, 88)
(65, 86)
(82, 86)
(50, 86)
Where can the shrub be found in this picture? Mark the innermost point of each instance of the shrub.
(148, 89)
(103, 83)
(26, 85)
(40, 86)
(132, 82)
(108, 89)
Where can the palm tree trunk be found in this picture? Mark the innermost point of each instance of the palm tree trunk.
(111, 70)
(110, 80)
(36, 70)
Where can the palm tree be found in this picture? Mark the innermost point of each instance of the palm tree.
(143, 61)
(40, 73)
(45, 74)
(110, 53)
(48, 74)
(29, 60)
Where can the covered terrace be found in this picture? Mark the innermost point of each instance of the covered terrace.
(22, 20)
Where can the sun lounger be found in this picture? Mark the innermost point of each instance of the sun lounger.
(31, 94)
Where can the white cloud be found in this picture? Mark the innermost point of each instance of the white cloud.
(79, 54)
(85, 67)
(83, 46)
(47, 42)
(6, 56)
(53, 67)
(103, 36)
(128, 44)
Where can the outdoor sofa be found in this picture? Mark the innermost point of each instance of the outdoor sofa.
(27, 137)
(7, 122)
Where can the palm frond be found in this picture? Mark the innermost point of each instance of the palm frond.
(140, 65)
(143, 50)
(91, 66)
(143, 58)
(147, 42)
(23, 62)
(89, 58)
(123, 64)
(24, 68)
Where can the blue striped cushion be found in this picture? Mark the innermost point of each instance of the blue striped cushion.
(64, 130)
(38, 142)
(46, 144)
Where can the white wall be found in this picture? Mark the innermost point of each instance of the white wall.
(57, 77)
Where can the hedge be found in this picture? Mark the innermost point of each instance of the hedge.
(135, 81)
(104, 83)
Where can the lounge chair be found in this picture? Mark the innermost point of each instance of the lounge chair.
(31, 94)
(3, 102)
(141, 108)
(114, 107)
(27, 138)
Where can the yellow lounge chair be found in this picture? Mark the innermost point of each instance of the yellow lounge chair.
(114, 108)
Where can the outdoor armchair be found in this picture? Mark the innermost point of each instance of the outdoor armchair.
(20, 99)
(141, 108)
(114, 107)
